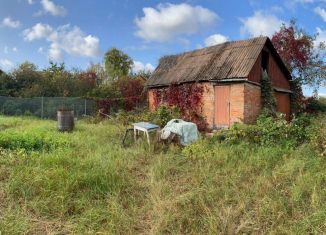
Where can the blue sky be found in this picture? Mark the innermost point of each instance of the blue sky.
(79, 32)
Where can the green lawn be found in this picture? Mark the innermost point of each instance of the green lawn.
(86, 183)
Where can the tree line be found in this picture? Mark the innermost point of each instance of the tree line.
(98, 81)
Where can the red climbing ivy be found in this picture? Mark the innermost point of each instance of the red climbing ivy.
(187, 97)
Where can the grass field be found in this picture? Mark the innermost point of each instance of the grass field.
(86, 183)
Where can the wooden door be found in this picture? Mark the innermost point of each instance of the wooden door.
(222, 106)
(283, 104)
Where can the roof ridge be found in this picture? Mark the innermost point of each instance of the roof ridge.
(223, 61)
(220, 44)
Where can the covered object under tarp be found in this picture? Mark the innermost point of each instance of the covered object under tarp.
(187, 131)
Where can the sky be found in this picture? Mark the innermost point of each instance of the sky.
(80, 32)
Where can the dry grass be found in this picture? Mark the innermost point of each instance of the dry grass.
(94, 186)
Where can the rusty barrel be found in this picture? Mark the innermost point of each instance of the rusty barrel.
(65, 120)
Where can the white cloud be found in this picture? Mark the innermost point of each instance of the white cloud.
(8, 22)
(321, 12)
(70, 40)
(14, 49)
(260, 24)
(53, 9)
(38, 31)
(215, 39)
(30, 2)
(6, 64)
(55, 52)
(321, 37)
(168, 21)
(139, 66)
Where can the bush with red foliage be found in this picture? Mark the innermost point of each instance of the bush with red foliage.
(89, 78)
(125, 93)
(187, 97)
(132, 91)
(104, 106)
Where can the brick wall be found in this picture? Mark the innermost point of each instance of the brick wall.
(150, 96)
(208, 102)
(252, 103)
(245, 103)
(237, 103)
(207, 107)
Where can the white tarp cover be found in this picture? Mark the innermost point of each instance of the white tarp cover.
(187, 131)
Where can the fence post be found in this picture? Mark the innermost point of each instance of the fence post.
(42, 107)
(85, 107)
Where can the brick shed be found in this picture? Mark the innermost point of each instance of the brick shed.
(231, 74)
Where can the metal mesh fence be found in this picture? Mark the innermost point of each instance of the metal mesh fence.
(46, 107)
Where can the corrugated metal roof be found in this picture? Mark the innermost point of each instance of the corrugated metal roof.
(223, 61)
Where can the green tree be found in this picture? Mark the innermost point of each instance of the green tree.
(58, 81)
(26, 78)
(98, 69)
(117, 64)
(8, 86)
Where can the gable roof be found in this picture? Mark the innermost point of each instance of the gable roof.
(224, 61)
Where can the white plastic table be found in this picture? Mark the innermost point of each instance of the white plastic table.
(145, 127)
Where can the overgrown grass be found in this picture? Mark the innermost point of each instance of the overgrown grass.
(87, 183)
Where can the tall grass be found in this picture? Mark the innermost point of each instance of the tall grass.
(89, 184)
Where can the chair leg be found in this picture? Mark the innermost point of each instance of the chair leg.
(148, 141)
(125, 135)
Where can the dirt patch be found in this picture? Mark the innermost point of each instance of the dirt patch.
(3, 127)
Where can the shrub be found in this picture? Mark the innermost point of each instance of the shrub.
(201, 149)
(126, 118)
(270, 131)
(317, 136)
(160, 116)
(35, 140)
(314, 105)
(164, 114)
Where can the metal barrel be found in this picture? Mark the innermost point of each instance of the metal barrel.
(65, 120)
